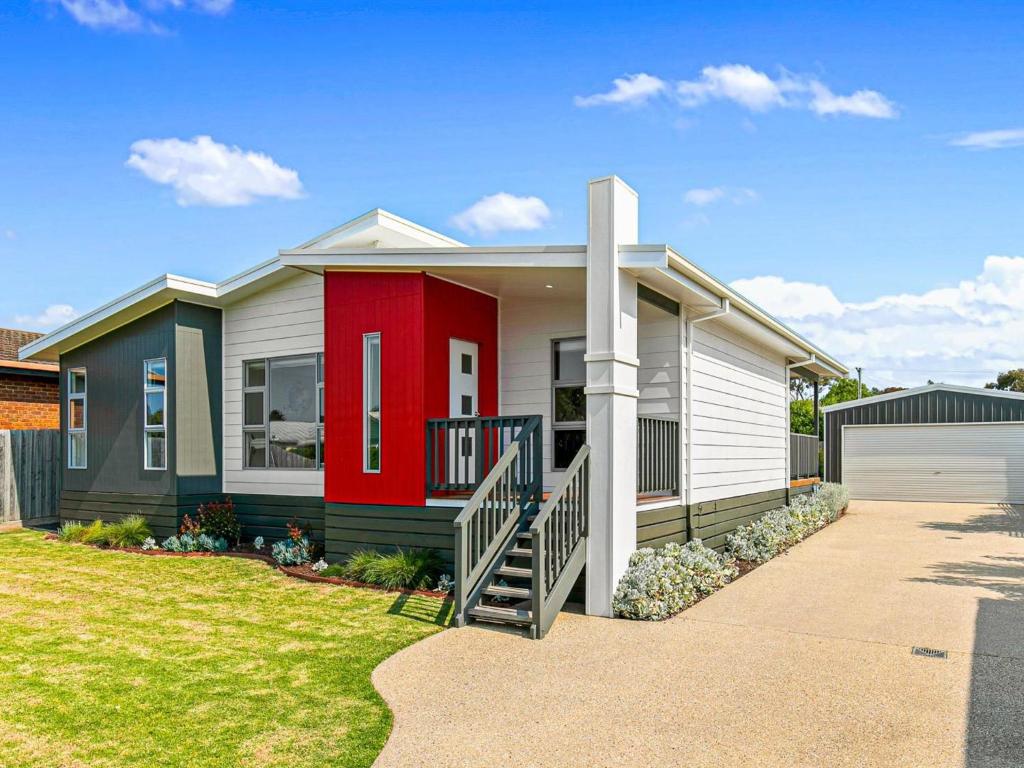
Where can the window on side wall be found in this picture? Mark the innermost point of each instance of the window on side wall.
(282, 413)
(154, 429)
(568, 403)
(371, 402)
(77, 424)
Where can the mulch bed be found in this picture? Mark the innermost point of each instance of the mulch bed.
(301, 572)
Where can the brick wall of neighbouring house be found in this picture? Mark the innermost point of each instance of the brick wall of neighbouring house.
(29, 403)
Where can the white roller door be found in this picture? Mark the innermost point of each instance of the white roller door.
(935, 462)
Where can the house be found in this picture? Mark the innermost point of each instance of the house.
(29, 392)
(940, 442)
(535, 413)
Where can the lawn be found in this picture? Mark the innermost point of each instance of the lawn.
(114, 659)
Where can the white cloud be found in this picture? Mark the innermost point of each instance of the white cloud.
(53, 316)
(750, 88)
(502, 212)
(631, 90)
(10, 234)
(861, 103)
(104, 14)
(704, 196)
(734, 82)
(707, 196)
(205, 172)
(962, 334)
(1010, 137)
(118, 15)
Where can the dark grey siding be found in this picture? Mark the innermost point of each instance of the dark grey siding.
(268, 516)
(114, 383)
(934, 407)
(657, 527)
(197, 399)
(189, 337)
(350, 527)
(163, 512)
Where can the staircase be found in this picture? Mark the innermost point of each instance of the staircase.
(516, 560)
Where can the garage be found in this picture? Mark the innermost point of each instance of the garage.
(936, 443)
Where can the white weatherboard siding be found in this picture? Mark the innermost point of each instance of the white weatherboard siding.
(935, 462)
(658, 349)
(287, 319)
(527, 328)
(739, 415)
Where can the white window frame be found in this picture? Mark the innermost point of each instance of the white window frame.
(368, 338)
(556, 384)
(147, 428)
(84, 429)
(318, 361)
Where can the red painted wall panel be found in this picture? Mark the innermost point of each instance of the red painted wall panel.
(416, 316)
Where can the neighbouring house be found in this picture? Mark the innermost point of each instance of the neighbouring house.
(29, 391)
(535, 413)
(940, 442)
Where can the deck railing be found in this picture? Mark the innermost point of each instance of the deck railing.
(512, 488)
(461, 452)
(558, 539)
(657, 456)
(803, 456)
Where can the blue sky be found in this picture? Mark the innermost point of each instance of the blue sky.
(425, 109)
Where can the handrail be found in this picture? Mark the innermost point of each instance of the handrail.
(494, 511)
(559, 540)
(461, 451)
(657, 456)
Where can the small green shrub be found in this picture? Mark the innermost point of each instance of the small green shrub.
(406, 569)
(336, 571)
(130, 531)
(292, 551)
(95, 533)
(654, 587)
(358, 564)
(402, 569)
(71, 532)
(218, 519)
(188, 542)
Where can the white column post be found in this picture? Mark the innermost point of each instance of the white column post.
(612, 394)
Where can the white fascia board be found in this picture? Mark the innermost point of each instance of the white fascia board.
(719, 288)
(636, 257)
(429, 258)
(378, 216)
(921, 390)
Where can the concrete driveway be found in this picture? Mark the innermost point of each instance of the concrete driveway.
(804, 662)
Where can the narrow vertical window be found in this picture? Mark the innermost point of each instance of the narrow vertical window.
(77, 419)
(155, 426)
(320, 411)
(569, 403)
(371, 402)
(254, 415)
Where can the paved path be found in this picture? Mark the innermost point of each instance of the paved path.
(804, 662)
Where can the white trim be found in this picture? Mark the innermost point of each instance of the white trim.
(921, 390)
(424, 259)
(379, 214)
(675, 501)
(453, 503)
(617, 357)
(612, 389)
(930, 424)
(366, 395)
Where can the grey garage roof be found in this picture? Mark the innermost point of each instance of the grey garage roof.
(932, 404)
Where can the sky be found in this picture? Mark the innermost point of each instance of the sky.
(856, 169)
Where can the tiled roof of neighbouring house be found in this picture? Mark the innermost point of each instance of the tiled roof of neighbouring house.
(11, 339)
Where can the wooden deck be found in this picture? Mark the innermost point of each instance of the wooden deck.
(804, 481)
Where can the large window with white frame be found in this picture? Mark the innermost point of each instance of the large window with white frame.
(283, 413)
(78, 419)
(154, 429)
(568, 401)
(371, 402)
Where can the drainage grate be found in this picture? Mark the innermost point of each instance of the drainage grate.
(931, 653)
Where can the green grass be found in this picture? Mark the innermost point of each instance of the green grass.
(113, 659)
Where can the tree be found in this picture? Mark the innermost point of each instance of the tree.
(843, 390)
(1012, 381)
(801, 417)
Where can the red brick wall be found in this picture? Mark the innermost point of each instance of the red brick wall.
(29, 403)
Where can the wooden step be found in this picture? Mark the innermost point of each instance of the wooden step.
(519, 552)
(519, 593)
(514, 572)
(504, 615)
(524, 536)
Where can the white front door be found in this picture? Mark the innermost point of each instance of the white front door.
(463, 378)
